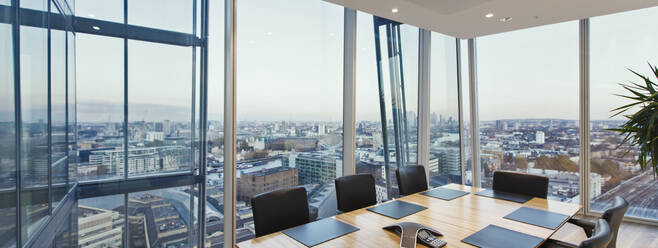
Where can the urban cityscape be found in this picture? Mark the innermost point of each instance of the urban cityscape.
(278, 154)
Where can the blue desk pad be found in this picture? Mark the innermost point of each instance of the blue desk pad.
(445, 194)
(494, 236)
(505, 196)
(537, 217)
(320, 231)
(397, 209)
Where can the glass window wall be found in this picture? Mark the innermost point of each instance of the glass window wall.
(445, 158)
(528, 106)
(289, 110)
(618, 43)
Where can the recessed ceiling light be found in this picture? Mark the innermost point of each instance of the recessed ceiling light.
(96, 28)
(489, 15)
(269, 33)
(506, 19)
(395, 10)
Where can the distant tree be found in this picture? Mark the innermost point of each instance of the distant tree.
(564, 163)
(520, 163)
(545, 163)
(610, 169)
(258, 154)
(244, 146)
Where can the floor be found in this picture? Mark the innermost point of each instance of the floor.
(637, 235)
(630, 235)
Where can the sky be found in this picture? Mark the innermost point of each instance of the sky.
(290, 56)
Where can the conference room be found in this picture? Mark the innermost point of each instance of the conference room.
(328, 123)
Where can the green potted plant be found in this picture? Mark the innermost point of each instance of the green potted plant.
(641, 128)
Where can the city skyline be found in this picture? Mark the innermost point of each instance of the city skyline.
(325, 36)
(183, 117)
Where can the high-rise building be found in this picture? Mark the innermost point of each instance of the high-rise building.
(434, 166)
(499, 124)
(449, 163)
(141, 160)
(154, 136)
(99, 227)
(539, 137)
(166, 127)
(317, 167)
(321, 129)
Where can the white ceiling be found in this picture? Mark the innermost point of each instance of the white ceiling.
(466, 18)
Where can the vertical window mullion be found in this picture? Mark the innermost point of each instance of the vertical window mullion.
(17, 118)
(475, 126)
(584, 114)
(423, 129)
(460, 112)
(229, 122)
(50, 115)
(349, 92)
(126, 222)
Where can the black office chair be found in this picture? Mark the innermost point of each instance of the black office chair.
(411, 179)
(279, 210)
(355, 191)
(519, 183)
(601, 238)
(612, 215)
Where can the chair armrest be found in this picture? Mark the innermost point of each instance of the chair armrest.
(588, 226)
(552, 243)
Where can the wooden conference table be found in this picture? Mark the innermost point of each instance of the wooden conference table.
(455, 219)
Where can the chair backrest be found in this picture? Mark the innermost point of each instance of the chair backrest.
(355, 191)
(279, 210)
(520, 183)
(600, 238)
(614, 216)
(411, 179)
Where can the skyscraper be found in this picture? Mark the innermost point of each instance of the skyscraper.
(539, 137)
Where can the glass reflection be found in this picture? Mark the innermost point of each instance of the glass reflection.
(34, 151)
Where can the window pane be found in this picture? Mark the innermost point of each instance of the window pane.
(64, 232)
(162, 218)
(215, 154)
(107, 10)
(466, 114)
(72, 126)
(529, 111)
(58, 93)
(58, 112)
(159, 108)
(173, 15)
(100, 99)
(369, 144)
(101, 221)
(34, 151)
(41, 5)
(7, 139)
(289, 103)
(400, 98)
(409, 66)
(445, 160)
(619, 42)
